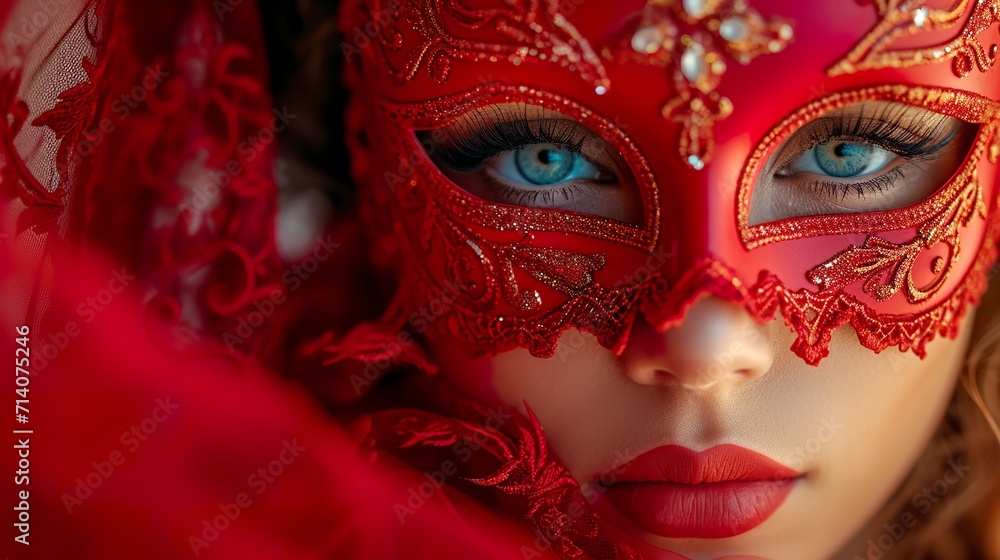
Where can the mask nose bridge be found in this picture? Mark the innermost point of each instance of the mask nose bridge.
(698, 215)
(699, 235)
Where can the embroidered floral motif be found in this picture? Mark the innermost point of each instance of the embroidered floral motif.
(539, 489)
(44, 208)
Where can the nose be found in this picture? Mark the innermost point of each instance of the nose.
(718, 342)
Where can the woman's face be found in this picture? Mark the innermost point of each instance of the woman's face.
(850, 429)
(712, 438)
(658, 161)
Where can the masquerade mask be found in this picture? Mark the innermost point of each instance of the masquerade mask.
(540, 166)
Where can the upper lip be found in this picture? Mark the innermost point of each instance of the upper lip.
(680, 465)
(676, 492)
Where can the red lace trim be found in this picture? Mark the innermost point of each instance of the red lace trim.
(537, 487)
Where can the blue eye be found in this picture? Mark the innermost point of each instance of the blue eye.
(544, 164)
(843, 159)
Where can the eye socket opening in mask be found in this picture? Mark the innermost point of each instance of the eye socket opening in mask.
(526, 155)
(863, 157)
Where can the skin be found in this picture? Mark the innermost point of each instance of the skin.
(611, 194)
(784, 191)
(854, 425)
(861, 418)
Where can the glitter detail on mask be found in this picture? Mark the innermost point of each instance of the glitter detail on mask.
(522, 31)
(693, 41)
(969, 107)
(903, 18)
(885, 268)
(499, 256)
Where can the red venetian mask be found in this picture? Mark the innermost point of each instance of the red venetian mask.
(575, 165)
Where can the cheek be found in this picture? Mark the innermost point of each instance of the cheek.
(582, 399)
(473, 376)
(880, 411)
(579, 395)
(855, 425)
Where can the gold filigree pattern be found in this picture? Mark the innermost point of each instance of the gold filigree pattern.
(442, 111)
(885, 268)
(495, 253)
(485, 270)
(693, 40)
(814, 316)
(967, 106)
(903, 18)
(566, 272)
(606, 313)
(526, 31)
(499, 260)
(877, 257)
(994, 153)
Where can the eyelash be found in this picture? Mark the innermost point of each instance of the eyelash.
(886, 132)
(879, 184)
(467, 150)
(523, 197)
(470, 148)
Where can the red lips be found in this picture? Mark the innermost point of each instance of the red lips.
(675, 492)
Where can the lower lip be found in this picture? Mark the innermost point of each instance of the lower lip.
(707, 511)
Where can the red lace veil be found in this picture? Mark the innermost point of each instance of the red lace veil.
(137, 211)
